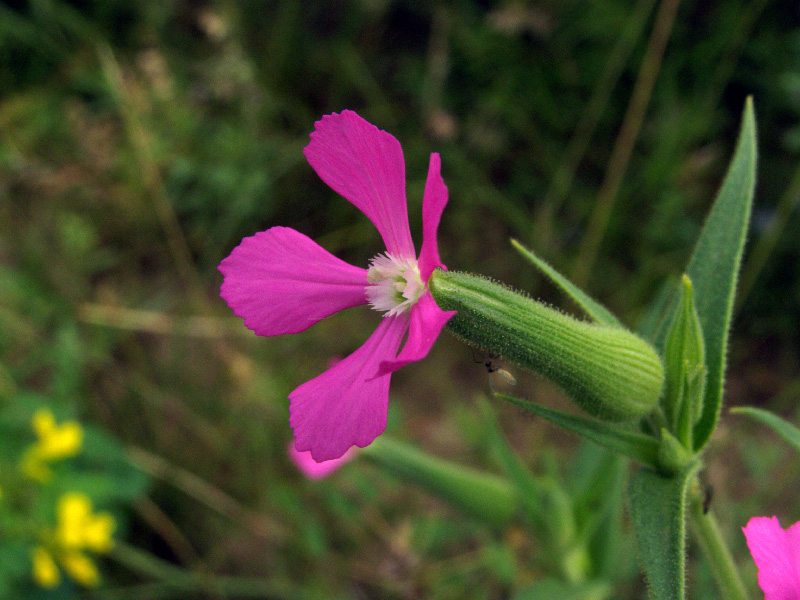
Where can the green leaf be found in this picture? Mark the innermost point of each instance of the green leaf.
(653, 326)
(598, 486)
(684, 359)
(787, 431)
(15, 562)
(639, 447)
(104, 471)
(714, 269)
(591, 307)
(658, 510)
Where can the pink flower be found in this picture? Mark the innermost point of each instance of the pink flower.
(318, 470)
(776, 553)
(279, 281)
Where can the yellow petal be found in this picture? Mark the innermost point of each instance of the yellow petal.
(62, 441)
(43, 422)
(45, 571)
(81, 568)
(97, 533)
(74, 512)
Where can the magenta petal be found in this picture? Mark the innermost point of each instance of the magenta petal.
(427, 320)
(318, 470)
(776, 554)
(366, 166)
(793, 534)
(280, 281)
(347, 404)
(433, 203)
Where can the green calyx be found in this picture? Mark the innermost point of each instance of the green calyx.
(610, 372)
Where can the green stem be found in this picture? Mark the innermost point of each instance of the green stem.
(489, 498)
(707, 532)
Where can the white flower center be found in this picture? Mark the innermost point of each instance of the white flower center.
(395, 284)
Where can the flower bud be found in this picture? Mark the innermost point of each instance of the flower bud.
(610, 372)
(684, 357)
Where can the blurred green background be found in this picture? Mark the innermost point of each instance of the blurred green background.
(140, 141)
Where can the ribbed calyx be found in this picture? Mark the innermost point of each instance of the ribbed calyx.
(610, 372)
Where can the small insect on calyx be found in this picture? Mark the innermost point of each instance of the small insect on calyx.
(498, 377)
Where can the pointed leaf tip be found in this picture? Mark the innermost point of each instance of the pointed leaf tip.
(714, 268)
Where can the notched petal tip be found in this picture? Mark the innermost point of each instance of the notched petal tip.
(344, 406)
(365, 165)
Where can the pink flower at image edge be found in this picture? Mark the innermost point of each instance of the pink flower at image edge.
(776, 552)
(280, 281)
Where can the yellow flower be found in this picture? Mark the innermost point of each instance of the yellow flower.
(55, 442)
(45, 571)
(77, 530)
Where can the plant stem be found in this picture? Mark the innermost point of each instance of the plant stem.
(707, 532)
(489, 498)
